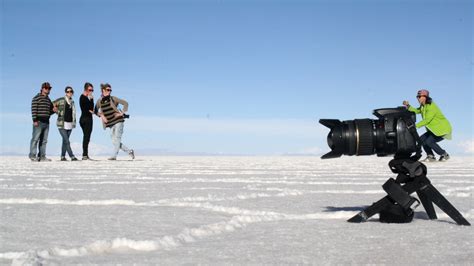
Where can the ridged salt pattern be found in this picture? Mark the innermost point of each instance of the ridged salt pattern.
(253, 210)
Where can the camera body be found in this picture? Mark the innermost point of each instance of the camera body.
(389, 134)
(126, 116)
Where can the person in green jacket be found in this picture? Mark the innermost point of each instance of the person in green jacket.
(437, 126)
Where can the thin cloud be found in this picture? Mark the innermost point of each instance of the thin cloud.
(94, 148)
(467, 146)
(261, 127)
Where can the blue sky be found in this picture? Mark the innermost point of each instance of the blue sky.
(236, 77)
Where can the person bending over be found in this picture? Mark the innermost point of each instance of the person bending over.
(437, 126)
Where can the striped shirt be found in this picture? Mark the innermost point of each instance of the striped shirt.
(109, 112)
(41, 108)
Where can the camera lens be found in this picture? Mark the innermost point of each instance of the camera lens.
(387, 135)
(352, 137)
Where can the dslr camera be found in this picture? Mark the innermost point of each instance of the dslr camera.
(393, 132)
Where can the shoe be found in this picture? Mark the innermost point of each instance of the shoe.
(44, 159)
(63, 159)
(85, 158)
(74, 159)
(444, 157)
(132, 154)
(430, 158)
(112, 159)
(33, 159)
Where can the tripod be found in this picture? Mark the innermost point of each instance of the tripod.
(412, 174)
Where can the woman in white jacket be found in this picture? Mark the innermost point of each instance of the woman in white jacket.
(66, 121)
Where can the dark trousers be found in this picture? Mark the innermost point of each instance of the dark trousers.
(86, 125)
(430, 143)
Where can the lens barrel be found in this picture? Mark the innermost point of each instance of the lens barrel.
(352, 137)
(387, 135)
(365, 136)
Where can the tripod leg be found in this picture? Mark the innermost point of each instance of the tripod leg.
(427, 204)
(401, 194)
(370, 211)
(433, 194)
(398, 194)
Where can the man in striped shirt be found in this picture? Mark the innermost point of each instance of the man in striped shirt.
(41, 109)
(113, 118)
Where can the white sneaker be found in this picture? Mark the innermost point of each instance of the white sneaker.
(444, 157)
(430, 158)
(132, 154)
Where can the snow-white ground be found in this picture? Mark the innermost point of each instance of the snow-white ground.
(215, 210)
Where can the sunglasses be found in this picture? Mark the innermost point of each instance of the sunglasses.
(419, 96)
(108, 89)
(69, 91)
(90, 90)
(48, 89)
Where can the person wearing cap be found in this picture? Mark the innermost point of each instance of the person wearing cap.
(437, 126)
(41, 110)
(113, 118)
(66, 121)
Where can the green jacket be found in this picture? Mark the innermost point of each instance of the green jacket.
(433, 119)
(60, 103)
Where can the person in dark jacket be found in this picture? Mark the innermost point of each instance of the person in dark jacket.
(66, 122)
(113, 118)
(41, 110)
(86, 101)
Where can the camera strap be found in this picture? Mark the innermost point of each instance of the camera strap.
(412, 129)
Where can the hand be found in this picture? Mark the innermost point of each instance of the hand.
(406, 103)
(55, 109)
(119, 114)
(35, 124)
(104, 119)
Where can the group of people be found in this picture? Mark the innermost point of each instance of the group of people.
(106, 107)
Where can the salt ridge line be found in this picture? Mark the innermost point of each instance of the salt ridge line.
(5, 187)
(206, 205)
(230, 180)
(186, 180)
(301, 192)
(161, 202)
(282, 193)
(160, 178)
(274, 179)
(188, 235)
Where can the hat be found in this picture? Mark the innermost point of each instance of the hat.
(46, 85)
(425, 93)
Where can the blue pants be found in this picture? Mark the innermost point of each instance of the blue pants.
(430, 143)
(66, 144)
(116, 132)
(40, 136)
